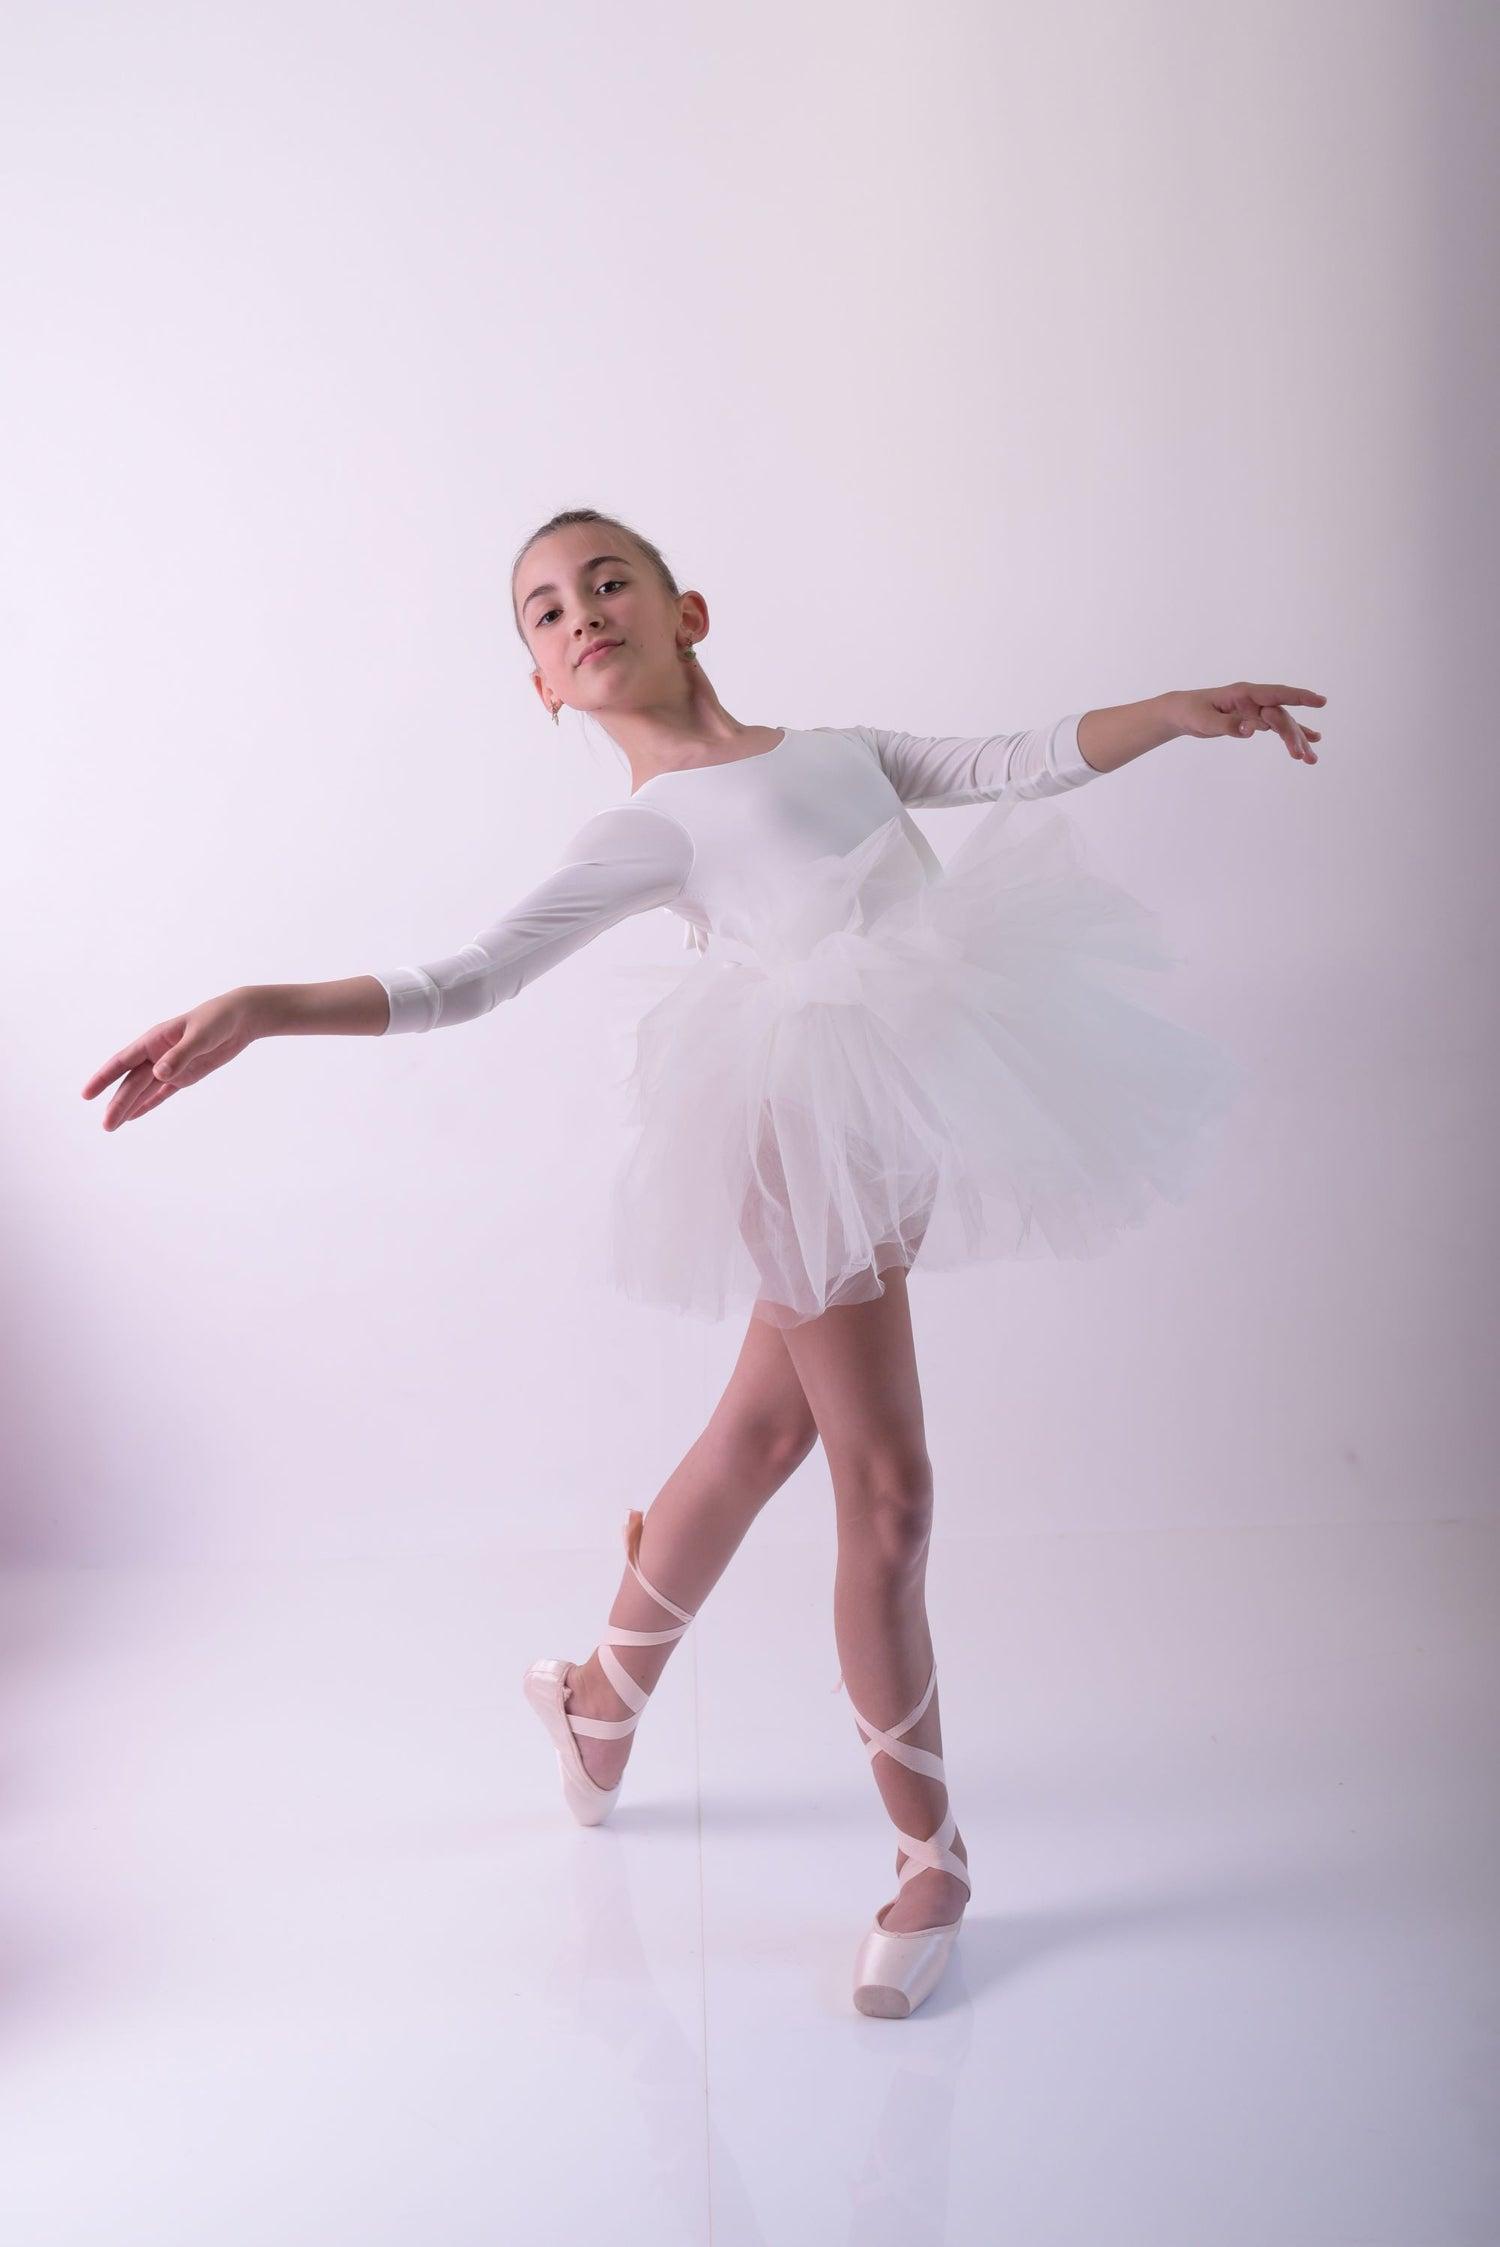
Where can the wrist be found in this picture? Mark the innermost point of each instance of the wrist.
(1168, 708)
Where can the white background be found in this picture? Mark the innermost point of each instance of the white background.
(978, 365)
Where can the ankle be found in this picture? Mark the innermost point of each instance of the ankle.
(934, 1880)
(957, 1845)
(590, 1692)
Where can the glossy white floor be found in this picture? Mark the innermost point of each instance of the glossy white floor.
(301, 1950)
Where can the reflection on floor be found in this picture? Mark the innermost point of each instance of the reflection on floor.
(299, 1948)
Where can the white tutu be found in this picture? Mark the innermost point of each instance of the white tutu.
(891, 1058)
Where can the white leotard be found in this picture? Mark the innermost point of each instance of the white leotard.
(690, 840)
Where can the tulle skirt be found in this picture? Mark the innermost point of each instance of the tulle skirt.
(888, 1059)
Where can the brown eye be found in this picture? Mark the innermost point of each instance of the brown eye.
(602, 587)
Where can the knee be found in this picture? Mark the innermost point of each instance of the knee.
(787, 1444)
(777, 1444)
(886, 1500)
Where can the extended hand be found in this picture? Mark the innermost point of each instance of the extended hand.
(176, 1053)
(1243, 709)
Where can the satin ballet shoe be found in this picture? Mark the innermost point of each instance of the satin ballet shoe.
(546, 1689)
(893, 1970)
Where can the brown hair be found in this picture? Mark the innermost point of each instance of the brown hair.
(591, 515)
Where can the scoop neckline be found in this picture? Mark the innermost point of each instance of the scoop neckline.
(722, 764)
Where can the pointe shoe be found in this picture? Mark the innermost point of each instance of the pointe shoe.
(894, 1970)
(547, 1691)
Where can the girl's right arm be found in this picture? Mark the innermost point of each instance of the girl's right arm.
(621, 861)
(186, 1047)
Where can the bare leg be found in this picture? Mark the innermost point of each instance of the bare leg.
(858, 1372)
(760, 1430)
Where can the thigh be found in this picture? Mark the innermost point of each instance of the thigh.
(763, 1399)
(857, 1366)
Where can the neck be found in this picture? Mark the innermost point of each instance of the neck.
(695, 729)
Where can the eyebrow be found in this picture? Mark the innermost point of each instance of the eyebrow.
(583, 572)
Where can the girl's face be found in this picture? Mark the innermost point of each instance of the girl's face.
(581, 589)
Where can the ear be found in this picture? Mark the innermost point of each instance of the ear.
(693, 614)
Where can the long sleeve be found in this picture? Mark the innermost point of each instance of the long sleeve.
(940, 769)
(621, 861)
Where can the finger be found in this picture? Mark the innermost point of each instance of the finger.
(1291, 733)
(179, 1065)
(136, 1055)
(1271, 714)
(129, 1057)
(1285, 694)
(152, 1100)
(137, 1085)
(137, 1105)
(186, 1064)
(179, 1073)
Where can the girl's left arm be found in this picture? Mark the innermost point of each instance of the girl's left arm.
(1111, 737)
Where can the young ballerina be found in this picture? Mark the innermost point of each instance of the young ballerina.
(869, 1056)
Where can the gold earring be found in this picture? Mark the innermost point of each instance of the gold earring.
(554, 707)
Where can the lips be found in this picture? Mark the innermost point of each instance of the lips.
(599, 648)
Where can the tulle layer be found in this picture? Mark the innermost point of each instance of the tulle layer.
(888, 1059)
